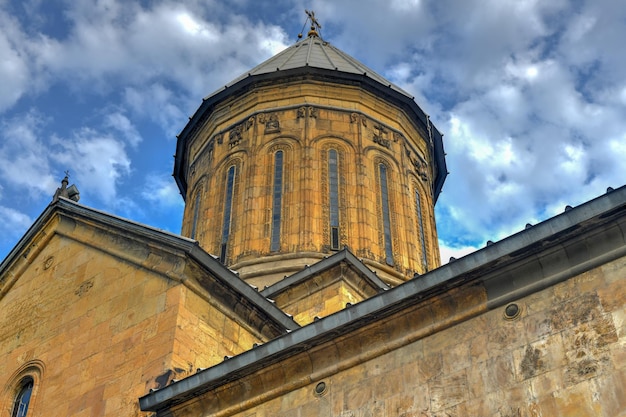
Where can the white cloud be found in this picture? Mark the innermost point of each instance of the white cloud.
(159, 104)
(14, 68)
(14, 224)
(167, 40)
(447, 252)
(98, 162)
(24, 155)
(33, 159)
(121, 123)
(162, 191)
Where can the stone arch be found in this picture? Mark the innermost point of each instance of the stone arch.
(194, 206)
(290, 148)
(393, 202)
(346, 179)
(34, 370)
(341, 141)
(423, 223)
(236, 160)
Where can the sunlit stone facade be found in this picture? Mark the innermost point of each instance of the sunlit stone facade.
(333, 139)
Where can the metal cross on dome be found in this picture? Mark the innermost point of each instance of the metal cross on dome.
(314, 21)
(315, 25)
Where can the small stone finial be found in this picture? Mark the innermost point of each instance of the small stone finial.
(70, 192)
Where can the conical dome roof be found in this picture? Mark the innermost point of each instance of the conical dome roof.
(314, 52)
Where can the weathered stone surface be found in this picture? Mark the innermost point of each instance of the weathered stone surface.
(564, 359)
(364, 129)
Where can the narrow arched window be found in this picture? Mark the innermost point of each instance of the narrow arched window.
(420, 221)
(277, 197)
(228, 208)
(196, 210)
(333, 188)
(384, 199)
(22, 399)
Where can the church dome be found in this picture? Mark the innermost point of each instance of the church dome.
(305, 154)
(316, 57)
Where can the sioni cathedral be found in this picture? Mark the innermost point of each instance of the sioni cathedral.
(306, 280)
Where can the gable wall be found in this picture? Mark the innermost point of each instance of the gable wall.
(321, 303)
(102, 331)
(93, 322)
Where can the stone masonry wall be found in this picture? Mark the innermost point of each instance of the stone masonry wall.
(565, 355)
(99, 331)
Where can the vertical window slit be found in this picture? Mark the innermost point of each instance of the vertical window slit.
(421, 230)
(196, 209)
(333, 177)
(277, 195)
(228, 206)
(384, 196)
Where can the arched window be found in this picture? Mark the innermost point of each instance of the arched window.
(228, 208)
(22, 399)
(277, 196)
(384, 199)
(333, 188)
(196, 210)
(418, 202)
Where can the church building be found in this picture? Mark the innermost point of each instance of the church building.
(306, 280)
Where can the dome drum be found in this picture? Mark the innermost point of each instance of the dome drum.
(282, 168)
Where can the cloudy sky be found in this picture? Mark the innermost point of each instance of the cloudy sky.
(530, 94)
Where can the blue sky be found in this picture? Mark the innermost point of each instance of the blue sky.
(531, 97)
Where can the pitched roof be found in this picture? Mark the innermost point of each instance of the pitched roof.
(369, 278)
(223, 283)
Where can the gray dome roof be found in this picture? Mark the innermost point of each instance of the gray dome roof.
(314, 52)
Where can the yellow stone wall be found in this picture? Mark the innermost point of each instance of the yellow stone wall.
(205, 335)
(563, 356)
(97, 331)
(306, 119)
(322, 303)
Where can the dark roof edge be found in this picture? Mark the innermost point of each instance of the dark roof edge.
(385, 91)
(388, 302)
(343, 255)
(181, 243)
(28, 236)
